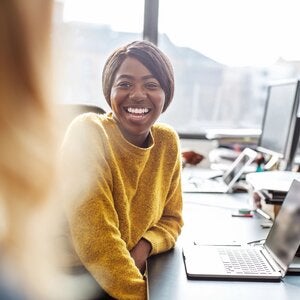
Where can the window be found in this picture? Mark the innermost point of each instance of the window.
(224, 52)
(86, 32)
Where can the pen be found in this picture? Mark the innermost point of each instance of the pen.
(263, 214)
(242, 215)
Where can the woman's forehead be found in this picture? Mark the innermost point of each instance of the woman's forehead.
(132, 67)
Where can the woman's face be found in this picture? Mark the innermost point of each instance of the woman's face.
(137, 100)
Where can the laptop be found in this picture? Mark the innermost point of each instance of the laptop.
(267, 262)
(223, 183)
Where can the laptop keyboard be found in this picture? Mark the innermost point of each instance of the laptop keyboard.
(244, 261)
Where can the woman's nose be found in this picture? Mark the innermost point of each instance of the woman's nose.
(137, 93)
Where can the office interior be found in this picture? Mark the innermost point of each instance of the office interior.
(222, 105)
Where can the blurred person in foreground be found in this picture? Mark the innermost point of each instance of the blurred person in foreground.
(130, 205)
(29, 260)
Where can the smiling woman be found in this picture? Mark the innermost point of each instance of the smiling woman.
(134, 77)
(131, 206)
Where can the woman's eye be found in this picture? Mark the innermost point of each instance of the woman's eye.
(124, 84)
(152, 85)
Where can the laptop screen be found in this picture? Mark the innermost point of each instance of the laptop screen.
(236, 170)
(284, 236)
(238, 166)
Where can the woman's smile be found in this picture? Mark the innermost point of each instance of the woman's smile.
(137, 113)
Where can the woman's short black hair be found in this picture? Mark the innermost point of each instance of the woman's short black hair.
(151, 57)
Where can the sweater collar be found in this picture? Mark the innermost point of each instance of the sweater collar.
(127, 144)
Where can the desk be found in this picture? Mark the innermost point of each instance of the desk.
(208, 219)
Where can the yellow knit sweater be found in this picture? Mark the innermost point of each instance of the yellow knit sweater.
(125, 193)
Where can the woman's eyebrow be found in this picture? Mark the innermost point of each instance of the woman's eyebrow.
(128, 76)
(124, 76)
(149, 77)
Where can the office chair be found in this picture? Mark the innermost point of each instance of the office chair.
(67, 112)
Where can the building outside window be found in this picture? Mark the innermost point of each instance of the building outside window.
(224, 52)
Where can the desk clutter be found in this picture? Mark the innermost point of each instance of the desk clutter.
(221, 183)
(270, 188)
(244, 173)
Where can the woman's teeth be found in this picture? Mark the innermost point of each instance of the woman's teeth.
(138, 111)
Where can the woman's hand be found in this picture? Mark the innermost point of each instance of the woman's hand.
(140, 253)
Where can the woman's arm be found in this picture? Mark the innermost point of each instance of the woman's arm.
(164, 233)
(92, 218)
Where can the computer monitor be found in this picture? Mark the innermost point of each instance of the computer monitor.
(280, 123)
(295, 134)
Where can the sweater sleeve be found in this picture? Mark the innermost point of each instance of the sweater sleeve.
(94, 225)
(164, 233)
